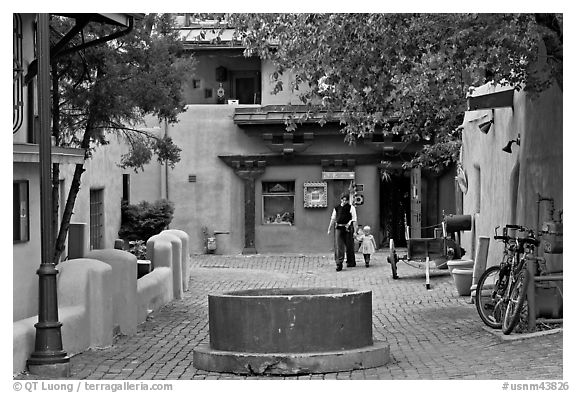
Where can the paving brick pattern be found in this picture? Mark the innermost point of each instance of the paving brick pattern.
(433, 334)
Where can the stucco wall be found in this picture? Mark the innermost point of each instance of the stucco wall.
(203, 132)
(26, 255)
(308, 234)
(533, 167)
(216, 198)
(102, 172)
(284, 97)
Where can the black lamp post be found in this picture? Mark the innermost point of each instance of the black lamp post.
(48, 358)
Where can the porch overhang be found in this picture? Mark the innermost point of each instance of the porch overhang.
(280, 114)
(269, 122)
(500, 99)
(240, 161)
(28, 152)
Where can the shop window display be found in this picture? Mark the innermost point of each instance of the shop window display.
(278, 203)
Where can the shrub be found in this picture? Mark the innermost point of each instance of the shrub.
(145, 219)
(137, 248)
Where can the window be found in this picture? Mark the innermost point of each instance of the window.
(278, 202)
(126, 187)
(96, 218)
(21, 231)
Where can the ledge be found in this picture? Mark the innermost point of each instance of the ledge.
(205, 358)
(28, 152)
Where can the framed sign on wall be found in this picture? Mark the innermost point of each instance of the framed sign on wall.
(315, 194)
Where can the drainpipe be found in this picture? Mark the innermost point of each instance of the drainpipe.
(166, 164)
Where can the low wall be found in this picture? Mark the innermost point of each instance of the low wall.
(154, 290)
(101, 295)
(85, 300)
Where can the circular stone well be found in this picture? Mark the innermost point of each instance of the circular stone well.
(290, 331)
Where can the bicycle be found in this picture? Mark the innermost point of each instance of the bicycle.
(501, 290)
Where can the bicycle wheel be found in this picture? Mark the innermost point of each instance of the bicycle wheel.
(515, 306)
(488, 297)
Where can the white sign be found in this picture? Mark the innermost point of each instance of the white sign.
(338, 175)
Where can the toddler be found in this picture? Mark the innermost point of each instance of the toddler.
(367, 245)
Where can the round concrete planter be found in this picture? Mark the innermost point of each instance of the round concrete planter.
(460, 264)
(462, 280)
(290, 331)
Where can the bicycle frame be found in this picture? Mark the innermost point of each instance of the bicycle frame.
(514, 295)
(520, 249)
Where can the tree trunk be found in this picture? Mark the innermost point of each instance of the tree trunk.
(71, 200)
(68, 210)
(55, 167)
(55, 198)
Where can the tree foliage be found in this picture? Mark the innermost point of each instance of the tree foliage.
(108, 89)
(407, 74)
(145, 219)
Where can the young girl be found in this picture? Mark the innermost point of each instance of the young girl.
(367, 245)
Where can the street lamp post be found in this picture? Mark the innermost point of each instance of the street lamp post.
(48, 358)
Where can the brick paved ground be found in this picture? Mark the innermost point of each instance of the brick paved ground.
(433, 334)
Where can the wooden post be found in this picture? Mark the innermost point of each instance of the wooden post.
(427, 272)
(249, 175)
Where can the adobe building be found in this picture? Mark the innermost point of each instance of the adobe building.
(512, 163)
(270, 190)
(97, 209)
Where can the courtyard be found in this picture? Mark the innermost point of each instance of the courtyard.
(433, 334)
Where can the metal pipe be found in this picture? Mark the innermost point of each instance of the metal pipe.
(166, 163)
(59, 51)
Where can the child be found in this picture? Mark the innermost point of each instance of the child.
(368, 244)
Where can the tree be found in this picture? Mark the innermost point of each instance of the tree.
(407, 74)
(108, 89)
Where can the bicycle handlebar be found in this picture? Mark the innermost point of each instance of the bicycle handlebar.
(530, 239)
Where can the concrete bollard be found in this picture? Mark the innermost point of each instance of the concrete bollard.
(124, 279)
(86, 284)
(159, 252)
(176, 265)
(184, 238)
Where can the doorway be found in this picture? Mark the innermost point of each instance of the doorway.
(394, 209)
(246, 87)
